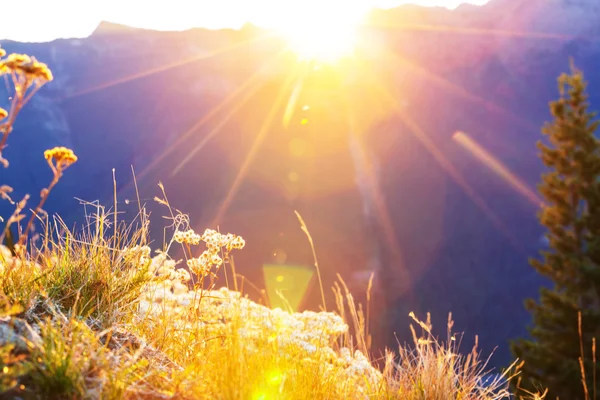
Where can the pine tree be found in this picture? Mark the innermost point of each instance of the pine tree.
(571, 215)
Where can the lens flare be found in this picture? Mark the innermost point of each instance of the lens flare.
(321, 30)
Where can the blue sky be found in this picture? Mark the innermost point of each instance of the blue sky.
(46, 20)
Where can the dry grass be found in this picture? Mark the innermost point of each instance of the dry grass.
(103, 319)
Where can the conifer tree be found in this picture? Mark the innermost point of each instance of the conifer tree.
(571, 215)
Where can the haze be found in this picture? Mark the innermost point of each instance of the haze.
(49, 20)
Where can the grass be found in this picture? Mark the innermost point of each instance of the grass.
(113, 322)
(96, 314)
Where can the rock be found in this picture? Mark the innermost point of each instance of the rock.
(17, 332)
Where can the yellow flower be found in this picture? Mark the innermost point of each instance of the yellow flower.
(14, 62)
(28, 66)
(3, 112)
(37, 70)
(18, 58)
(2, 52)
(62, 156)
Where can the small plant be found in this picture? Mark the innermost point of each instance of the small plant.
(26, 76)
(73, 361)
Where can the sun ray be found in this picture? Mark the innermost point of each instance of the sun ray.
(420, 135)
(487, 159)
(291, 104)
(365, 167)
(161, 68)
(395, 59)
(318, 30)
(266, 126)
(293, 100)
(231, 98)
(222, 122)
(201, 122)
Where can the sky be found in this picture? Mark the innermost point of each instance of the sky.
(45, 20)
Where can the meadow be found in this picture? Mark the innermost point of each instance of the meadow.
(102, 313)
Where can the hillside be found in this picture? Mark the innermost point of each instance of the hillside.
(127, 97)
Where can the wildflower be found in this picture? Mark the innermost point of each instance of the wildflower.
(308, 347)
(60, 158)
(238, 243)
(204, 257)
(17, 59)
(225, 239)
(161, 261)
(3, 112)
(209, 234)
(137, 254)
(198, 266)
(28, 68)
(166, 271)
(2, 52)
(212, 239)
(216, 260)
(215, 240)
(187, 237)
(37, 71)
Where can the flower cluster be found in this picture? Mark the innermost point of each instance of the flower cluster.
(60, 158)
(136, 255)
(195, 315)
(358, 372)
(25, 67)
(187, 237)
(217, 245)
(27, 75)
(215, 240)
(308, 336)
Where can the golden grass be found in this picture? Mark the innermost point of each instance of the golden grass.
(104, 319)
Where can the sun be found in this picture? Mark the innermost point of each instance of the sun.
(323, 30)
